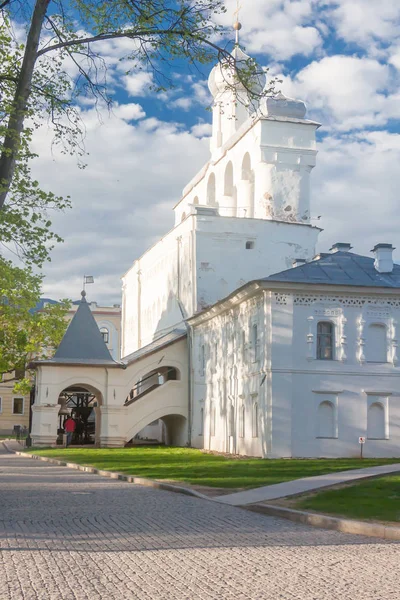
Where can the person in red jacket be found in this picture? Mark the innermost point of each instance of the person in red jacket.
(69, 428)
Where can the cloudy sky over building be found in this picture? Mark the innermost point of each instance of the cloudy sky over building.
(341, 56)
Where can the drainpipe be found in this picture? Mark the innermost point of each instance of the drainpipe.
(190, 378)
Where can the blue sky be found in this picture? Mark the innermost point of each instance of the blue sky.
(341, 56)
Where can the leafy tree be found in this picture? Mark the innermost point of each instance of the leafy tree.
(24, 333)
(72, 32)
(41, 80)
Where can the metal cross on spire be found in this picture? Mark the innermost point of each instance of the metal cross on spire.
(237, 26)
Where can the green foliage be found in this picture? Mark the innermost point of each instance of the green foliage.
(199, 468)
(26, 334)
(25, 221)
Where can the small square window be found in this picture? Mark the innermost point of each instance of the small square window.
(106, 335)
(19, 373)
(249, 245)
(18, 406)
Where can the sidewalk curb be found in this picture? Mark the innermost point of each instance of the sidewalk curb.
(143, 481)
(322, 521)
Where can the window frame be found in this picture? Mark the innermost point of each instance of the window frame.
(319, 348)
(19, 373)
(105, 330)
(381, 325)
(23, 405)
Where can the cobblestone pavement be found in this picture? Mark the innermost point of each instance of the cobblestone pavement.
(68, 535)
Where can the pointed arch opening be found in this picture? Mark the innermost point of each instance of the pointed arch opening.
(228, 180)
(211, 190)
(247, 173)
(246, 192)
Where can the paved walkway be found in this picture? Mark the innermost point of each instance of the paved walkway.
(306, 484)
(69, 535)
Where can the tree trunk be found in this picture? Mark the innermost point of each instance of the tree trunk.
(16, 121)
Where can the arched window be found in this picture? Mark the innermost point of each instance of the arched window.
(376, 343)
(326, 420)
(196, 200)
(325, 340)
(228, 182)
(254, 419)
(376, 422)
(246, 167)
(183, 217)
(106, 334)
(211, 193)
(242, 421)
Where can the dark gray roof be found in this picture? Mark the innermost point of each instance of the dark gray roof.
(161, 342)
(83, 342)
(340, 268)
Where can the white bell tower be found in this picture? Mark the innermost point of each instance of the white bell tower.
(233, 104)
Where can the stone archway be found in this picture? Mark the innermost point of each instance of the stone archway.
(82, 402)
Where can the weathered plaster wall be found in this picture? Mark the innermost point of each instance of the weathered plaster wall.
(228, 414)
(263, 171)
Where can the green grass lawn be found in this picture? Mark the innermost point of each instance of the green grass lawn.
(377, 499)
(198, 468)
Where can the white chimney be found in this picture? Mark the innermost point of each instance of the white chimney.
(298, 262)
(383, 258)
(340, 247)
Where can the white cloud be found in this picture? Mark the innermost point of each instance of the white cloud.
(347, 92)
(129, 112)
(202, 130)
(355, 189)
(279, 28)
(122, 201)
(364, 21)
(138, 84)
(183, 103)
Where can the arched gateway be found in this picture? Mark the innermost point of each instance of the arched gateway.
(84, 381)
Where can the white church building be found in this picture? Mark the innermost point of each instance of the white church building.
(234, 332)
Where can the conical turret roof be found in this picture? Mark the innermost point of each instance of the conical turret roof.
(83, 342)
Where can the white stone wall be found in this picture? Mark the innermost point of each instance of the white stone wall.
(349, 384)
(307, 407)
(228, 361)
(158, 289)
(199, 262)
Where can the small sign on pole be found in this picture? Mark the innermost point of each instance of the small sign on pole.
(361, 441)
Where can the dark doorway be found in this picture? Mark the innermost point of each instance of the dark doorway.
(82, 406)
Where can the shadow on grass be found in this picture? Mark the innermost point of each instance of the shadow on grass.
(198, 468)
